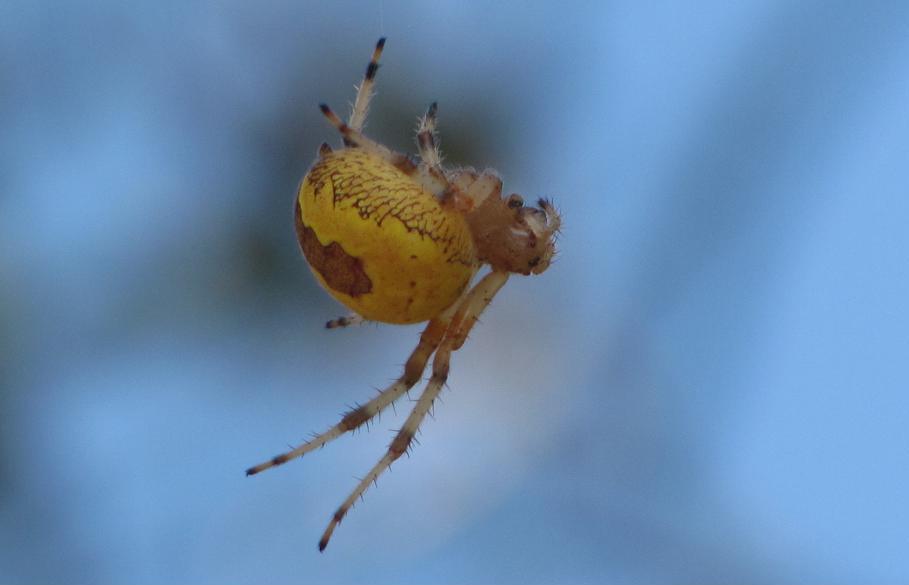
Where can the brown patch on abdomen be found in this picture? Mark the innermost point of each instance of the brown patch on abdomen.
(341, 271)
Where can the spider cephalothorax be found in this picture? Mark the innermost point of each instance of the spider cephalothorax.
(399, 241)
(508, 236)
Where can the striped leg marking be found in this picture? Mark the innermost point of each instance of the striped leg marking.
(469, 309)
(426, 138)
(364, 92)
(413, 370)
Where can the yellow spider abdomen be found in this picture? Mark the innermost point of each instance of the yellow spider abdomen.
(378, 242)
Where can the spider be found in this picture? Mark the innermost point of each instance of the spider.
(399, 241)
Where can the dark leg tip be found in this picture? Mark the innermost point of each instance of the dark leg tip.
(325, 109)
(381, 44)
(322, 544)
(339, 322)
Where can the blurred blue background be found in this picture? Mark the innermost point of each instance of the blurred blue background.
(709, 386)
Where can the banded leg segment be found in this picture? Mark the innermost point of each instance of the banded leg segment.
(345, 321)
(478, 299)
(413, 370)
(431, 175)
(469, 309)
(431, 179)
(399, 444)
(426, 138)
(352, 136)
(364, 92)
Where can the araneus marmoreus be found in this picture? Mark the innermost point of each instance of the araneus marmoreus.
(399, 241)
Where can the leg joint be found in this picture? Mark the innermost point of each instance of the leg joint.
(400, 444)
(413, 369)
(355, 418)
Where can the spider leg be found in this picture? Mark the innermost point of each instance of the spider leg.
(431, 180)
(364, 92)
(432, 177)
(352, 136)
(553, 219)
(464, 319)
(413, 370)
(345, 321)
(426, 138)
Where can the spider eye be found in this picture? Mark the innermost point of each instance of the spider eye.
(515, 201)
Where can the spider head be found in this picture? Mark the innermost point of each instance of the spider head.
(508, 235)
